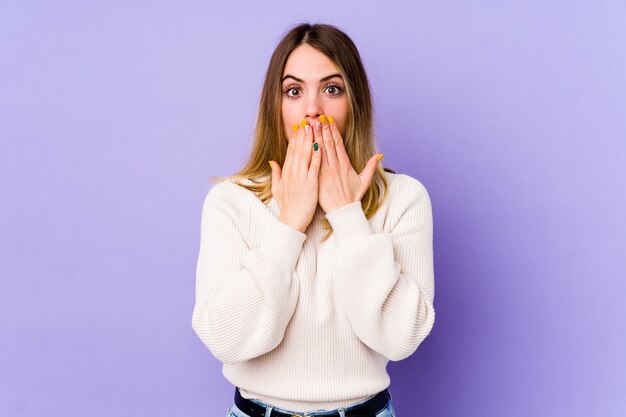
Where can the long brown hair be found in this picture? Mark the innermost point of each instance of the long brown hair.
(270, 142)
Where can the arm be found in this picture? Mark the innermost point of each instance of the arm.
(385, 281)
(244, 297)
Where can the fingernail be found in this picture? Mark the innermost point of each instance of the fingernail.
(303, 122)
(307, 128)
(330, 119)
(323, 118)
(295, 126)
(381, 157)
(315, 146)
(270, 164)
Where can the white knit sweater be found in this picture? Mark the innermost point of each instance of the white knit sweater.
(305, 325)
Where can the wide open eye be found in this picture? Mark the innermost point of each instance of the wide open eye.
(336, 88)
(288, 89)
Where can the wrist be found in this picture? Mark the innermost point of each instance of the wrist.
(293, 224)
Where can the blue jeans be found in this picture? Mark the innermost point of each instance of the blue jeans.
(233, 411)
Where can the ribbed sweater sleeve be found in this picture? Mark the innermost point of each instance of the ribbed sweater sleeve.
(245, 296)
(385, 280)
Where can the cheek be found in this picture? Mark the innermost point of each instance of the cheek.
(344, 119)
(342, 130)
(341, 119)
(286, 121)
(340, 113)
(287, 132)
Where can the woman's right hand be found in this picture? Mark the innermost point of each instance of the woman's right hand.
(295, 185)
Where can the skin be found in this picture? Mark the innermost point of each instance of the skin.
(326, 176)
(311, 98)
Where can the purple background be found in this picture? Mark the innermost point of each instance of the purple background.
(512, 114)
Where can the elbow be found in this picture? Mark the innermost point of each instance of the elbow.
(229, 347)
(238, 332)
(218, 348)
(422, 329)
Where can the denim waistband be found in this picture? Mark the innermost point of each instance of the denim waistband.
(369, 407)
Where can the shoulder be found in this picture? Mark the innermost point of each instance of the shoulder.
(225, 195)
(409, 203)
(223, 190)
(232, 193)
(405, 189)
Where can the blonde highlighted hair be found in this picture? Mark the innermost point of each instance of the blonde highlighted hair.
(359, 139)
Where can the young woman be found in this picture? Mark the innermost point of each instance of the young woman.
(314, 270)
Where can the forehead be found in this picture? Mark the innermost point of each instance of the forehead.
(308, 63)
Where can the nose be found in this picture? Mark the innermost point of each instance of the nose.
(313, 109)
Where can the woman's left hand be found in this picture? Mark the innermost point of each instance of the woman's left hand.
(339, 183)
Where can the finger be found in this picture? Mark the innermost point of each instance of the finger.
(293, 147)
(276, 172)
(316, 161)
(297, 162)
(317, 136)
(307, 146)
(290, 145)
(370, 168)
(342, 154)
(329, 144)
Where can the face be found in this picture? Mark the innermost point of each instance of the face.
(312, 86)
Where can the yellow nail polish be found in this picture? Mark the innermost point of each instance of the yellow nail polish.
(303, 122)
(381, 157)
(330, 119)
(323, 118)
(295, 126)
(270, 164)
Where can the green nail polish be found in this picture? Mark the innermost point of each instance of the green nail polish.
(315, 146)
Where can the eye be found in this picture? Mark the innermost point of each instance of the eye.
(333, 87)
(287, 90)
(336, 87)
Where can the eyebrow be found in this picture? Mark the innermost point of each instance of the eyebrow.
(328, 77)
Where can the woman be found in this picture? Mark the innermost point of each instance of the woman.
(317, 269)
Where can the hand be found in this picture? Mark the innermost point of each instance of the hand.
(295, 185)
(339, 183)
